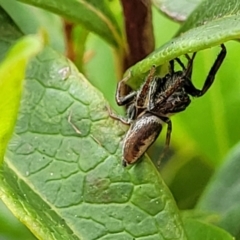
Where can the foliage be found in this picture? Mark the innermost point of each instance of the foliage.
(62, 175)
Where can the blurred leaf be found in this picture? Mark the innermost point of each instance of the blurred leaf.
(29, 19)
(178, 10)
(197, 230)
(223, 25)
(12, 71)
(62, 175)
(100, 69)
(93, 14)
(167, 27)
(10, 227)
(223, 193)
(230, 221)
(9, 34)
(188, 180)
(81, 35)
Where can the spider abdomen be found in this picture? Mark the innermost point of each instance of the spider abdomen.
(141, 135)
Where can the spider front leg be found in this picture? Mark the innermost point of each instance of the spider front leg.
(187, 70)
(153, 91)
(120, 99)
(178, 60)
(190, 88)
(126, 121)
(143, 94)
(168, 138)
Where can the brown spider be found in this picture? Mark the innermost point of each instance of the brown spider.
(157, 99)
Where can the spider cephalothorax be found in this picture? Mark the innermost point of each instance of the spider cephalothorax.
(157, 99)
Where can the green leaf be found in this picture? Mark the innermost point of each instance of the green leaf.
(29, 19)
(222, 194)
(194, 174)
(75, 174)
(62, 175)
(197, 230)
(9, 34)
(74, 182)
(10, 227)
(178, 10)
(211, 11)
(12, 71)
(218, 25)
(94, 15)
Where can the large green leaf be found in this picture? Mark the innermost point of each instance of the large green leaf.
(62, 174)
(74, 182)
(223, 193)
(94, 15)
(220, 24)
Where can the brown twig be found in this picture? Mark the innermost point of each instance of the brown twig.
(70, 53)
(139, 30)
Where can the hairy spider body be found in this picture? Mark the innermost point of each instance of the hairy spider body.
(168, 95)
(157, 99)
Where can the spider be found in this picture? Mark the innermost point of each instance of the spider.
(157, 99)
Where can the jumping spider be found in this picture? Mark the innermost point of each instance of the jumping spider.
(157, 99)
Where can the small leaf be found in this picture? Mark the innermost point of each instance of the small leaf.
(215, 27)
(11, 227)
(197, 230)
(178, 10)
(222, 194)
(12, 71)
(94, 15)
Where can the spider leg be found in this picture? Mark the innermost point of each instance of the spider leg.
(143, 93)
(168, 136)
(123, 100)
(131, 112)
(180, 63)
(210, 78)
(125, 121)
(167, 141)
(187, 57)
(188, 70)
(152, 92)
(171, 66)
